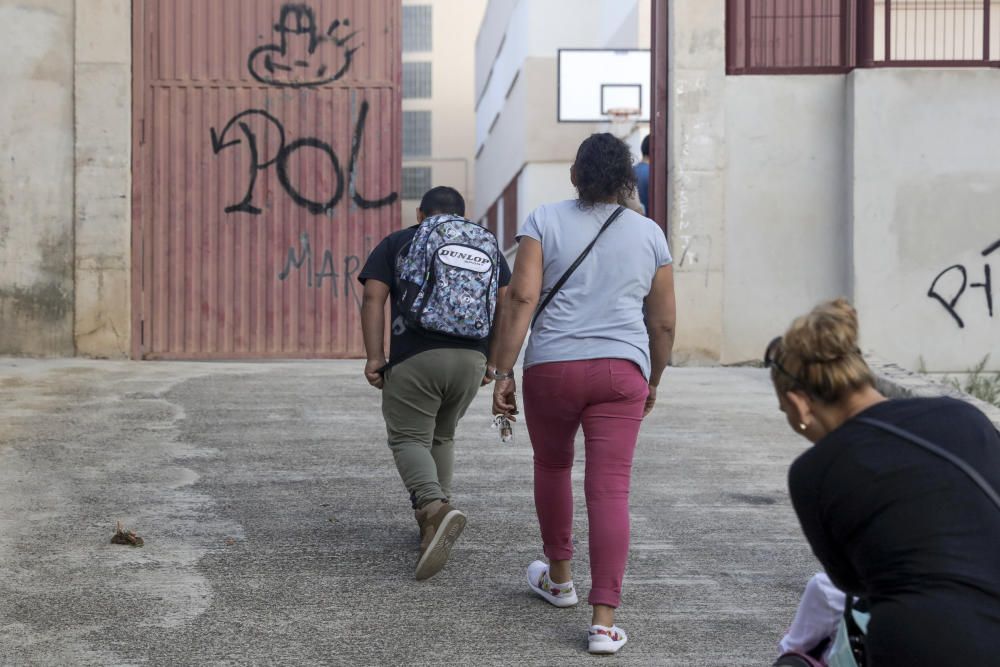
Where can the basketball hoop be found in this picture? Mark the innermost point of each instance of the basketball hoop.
(623, 120)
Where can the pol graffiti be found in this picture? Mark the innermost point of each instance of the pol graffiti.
(257, 124)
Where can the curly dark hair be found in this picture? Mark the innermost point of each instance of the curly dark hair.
(603, 170)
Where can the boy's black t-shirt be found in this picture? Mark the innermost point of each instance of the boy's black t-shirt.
(405, 343)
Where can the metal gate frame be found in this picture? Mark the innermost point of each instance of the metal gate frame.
(143, 165)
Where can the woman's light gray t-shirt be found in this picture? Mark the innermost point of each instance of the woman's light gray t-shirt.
(598, 312)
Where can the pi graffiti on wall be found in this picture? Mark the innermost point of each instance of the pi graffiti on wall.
(955, 282)
(248, 129)
(302, 55)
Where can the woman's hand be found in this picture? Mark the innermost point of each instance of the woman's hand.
(505, 398)
(650, 401)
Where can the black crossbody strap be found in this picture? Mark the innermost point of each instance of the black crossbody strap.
(931, 447)
(579, 260)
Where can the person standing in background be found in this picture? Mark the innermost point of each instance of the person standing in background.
(642, 177)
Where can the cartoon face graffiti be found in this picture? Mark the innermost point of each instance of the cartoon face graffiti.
(303, 57)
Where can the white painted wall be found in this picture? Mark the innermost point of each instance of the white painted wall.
(786, 204)
(925, 182)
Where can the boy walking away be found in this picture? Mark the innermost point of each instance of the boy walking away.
(446, 276)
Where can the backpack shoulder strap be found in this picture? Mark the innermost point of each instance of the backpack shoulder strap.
(939, 451)
(574, 266)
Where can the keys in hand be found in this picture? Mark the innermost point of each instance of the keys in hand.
(502, 423)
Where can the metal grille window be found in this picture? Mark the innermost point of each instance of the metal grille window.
(938, 32)
(789, 36)
(416, 182)
(416, 80)
(417, 28)
(416, 134)
(821, 36)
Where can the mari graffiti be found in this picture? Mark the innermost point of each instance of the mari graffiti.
(247, 129)
(302, 56)
(955, 282)
(303, 257)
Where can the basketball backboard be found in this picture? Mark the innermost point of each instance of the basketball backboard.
(592, 82)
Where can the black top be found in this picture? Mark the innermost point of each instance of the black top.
(405, 343)
(909, 530)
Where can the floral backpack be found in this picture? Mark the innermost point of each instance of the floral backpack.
(448, 277)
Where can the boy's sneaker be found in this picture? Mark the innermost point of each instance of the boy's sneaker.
(560, 595)
(442, 524)
(605, 640)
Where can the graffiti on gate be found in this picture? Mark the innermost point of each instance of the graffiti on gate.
(302, 56)
(255, 124)
(958, 276)
(302, 256)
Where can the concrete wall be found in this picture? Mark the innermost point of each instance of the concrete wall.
(65, 180)
(103, 178)
(925, 181)
(36, 178)
(789, 190)
(786, 204)
(696, 175)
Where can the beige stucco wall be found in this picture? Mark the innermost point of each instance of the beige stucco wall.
(103, 219)
(925, 194)
(452, 105)
(36, 177)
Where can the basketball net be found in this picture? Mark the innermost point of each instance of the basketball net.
(623, 121)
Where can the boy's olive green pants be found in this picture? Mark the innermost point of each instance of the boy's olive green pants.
(422, 401)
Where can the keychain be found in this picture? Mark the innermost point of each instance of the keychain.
(502, 423)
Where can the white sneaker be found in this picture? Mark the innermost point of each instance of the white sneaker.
(560, 595)
(606, 640)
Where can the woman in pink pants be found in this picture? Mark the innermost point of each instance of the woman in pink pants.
(598, 281)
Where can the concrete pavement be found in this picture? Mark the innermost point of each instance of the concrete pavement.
(276, 531)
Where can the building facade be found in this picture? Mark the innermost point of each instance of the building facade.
(814, 150)
(523, 154)
(438, 98)
(831, 149)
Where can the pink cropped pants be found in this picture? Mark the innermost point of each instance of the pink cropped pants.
(607, 397)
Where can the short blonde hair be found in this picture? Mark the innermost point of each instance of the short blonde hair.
(820, 354)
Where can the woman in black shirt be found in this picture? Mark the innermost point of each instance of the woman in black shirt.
(890, 521)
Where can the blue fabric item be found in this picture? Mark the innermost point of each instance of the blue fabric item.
(642, 176)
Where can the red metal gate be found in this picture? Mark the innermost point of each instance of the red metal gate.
(267, 161)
